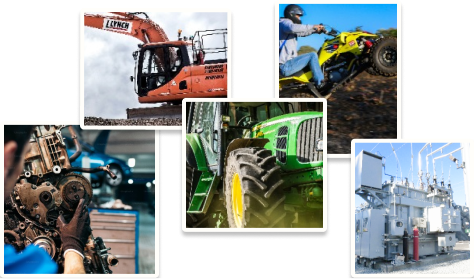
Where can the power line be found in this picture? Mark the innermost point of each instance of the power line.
(374, 147)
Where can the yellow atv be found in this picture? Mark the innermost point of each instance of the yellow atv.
(342, 58)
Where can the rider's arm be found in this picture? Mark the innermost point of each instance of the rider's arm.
(302, 30)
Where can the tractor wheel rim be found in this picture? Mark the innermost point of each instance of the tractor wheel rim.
(237, 204)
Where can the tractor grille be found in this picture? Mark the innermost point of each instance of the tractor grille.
(281, 144)
(309, 132)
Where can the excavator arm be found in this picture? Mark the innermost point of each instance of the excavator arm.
(144, 29)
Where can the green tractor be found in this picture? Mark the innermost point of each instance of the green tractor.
(254, 165)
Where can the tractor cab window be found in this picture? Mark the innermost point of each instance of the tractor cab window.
(269, 110)
(276, 109)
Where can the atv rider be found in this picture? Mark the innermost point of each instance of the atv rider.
(290, 29)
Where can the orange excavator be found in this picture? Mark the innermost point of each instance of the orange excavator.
(168, 71)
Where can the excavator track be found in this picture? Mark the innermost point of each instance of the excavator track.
(165, 111)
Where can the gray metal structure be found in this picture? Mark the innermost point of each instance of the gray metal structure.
(397, 205)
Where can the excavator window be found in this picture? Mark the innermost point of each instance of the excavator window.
(153, 70)
(158, 66)
(176, 60)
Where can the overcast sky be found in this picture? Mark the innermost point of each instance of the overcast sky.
(108, 61)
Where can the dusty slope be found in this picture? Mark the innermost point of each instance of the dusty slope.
(365, 108)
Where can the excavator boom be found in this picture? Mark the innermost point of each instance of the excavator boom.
(144, 29)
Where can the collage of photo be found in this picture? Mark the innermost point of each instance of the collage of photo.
(92, 197)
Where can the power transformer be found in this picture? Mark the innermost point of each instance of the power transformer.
(394, 207)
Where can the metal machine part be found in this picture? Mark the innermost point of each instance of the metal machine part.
(46, 189)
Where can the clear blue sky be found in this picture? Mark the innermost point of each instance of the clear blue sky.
(345, 17)
(403, 151)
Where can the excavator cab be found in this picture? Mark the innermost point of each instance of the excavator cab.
(157, 64)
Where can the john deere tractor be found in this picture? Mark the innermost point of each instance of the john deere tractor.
(254, 165)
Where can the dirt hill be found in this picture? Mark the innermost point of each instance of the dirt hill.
(365, 108)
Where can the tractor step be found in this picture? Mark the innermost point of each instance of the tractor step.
(204, 192)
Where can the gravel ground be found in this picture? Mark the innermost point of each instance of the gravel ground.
(98, 121)
(451, 267)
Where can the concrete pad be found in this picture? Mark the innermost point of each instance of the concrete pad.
(429, 260)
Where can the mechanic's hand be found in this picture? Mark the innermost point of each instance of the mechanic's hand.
(75, 234)
(319, 28)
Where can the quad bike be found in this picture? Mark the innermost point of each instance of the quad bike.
(342, 58)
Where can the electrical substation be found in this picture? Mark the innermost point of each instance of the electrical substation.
(404, 222)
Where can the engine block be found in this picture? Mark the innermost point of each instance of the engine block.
(45, 189)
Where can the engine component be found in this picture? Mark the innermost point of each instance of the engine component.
(47, 244)
(47, 188)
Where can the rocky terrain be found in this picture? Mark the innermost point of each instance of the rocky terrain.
(98, 121)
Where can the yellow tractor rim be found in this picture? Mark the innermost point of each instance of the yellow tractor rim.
(237, 204)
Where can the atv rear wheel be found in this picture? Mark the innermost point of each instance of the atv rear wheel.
(253, 192)
(371, 71)
(383, 56)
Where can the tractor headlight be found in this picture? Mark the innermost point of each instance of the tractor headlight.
(319, 145)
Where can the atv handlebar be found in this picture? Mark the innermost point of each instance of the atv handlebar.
(328, 30)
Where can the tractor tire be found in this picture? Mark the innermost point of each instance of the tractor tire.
(252, 188)
(383, 57)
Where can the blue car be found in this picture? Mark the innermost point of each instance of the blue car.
(98, 158)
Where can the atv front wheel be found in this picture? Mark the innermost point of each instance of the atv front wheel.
(253, 189)
(383, 57)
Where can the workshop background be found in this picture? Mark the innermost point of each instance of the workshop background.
(122, 210)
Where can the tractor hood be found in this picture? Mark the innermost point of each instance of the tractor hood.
(296, 139)
(293, 118)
